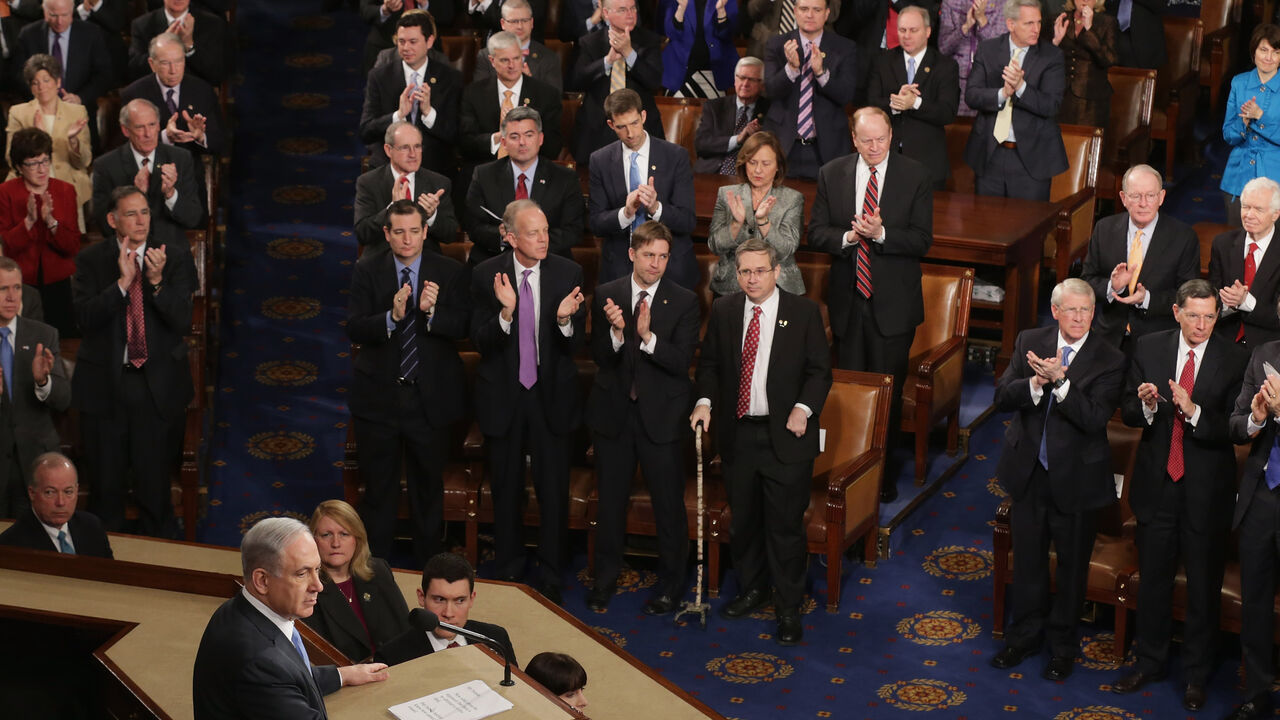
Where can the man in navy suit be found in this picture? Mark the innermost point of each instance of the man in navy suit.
(726, 122)
(1062, 384)
(1016, 85)
(407, 308)
(640, 177)
(527, 323)
(809, 76)
(52, 522)
(251, 661)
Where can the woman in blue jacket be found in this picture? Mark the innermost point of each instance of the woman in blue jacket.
(1252, 124)
(698, 61)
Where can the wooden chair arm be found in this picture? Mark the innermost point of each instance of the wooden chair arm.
(473, 444)
(839, 479)
(939, 355)
(1003, 511)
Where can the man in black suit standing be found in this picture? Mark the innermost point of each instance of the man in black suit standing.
(33, 386)
(132, 381)
(403, 178)
(1062, 385)
(620, 55)
(165, 173)
(527, 323)
(875, 25)
(809, 75)
(87, 72)
(448, 590)
(1137, 261)
(523, 174)
(11, 57)
(1140, 43)
(1245, 271)
(1181, 389)
(878, 237)
(728, 121)
(539, 61)
(920, 89)
(645, 333)
(1016, 85)
(251, 661)
(382, 16)
(486, 15)
(424, 93)
(640, 177)
(203, 36)
(406, 309)
(766, 368)
(53, 522)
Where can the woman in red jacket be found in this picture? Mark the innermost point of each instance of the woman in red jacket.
(38, 226)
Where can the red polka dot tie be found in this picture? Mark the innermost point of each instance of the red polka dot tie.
(749, 346)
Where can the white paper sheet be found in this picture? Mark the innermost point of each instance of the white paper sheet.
(469, 701)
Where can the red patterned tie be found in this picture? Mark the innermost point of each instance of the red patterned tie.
(1187, 380)
(522, 189)
(1250, 268)
(749, 347)
(405, 192)
(870, 203)
(135, 321)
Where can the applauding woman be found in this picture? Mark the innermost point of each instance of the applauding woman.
(698, 60)
(360, 606)
(758, 207)
(38, 226)
(1087, 37)
(1251, 127)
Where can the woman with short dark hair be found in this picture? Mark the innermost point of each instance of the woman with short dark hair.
(562, 675)
(1252, 125)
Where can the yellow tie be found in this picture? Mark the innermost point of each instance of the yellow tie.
(506, 107)
(1135, 260)
(618, 76)
(1004, 118)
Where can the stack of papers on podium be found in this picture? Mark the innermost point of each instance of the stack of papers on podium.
(469, 701)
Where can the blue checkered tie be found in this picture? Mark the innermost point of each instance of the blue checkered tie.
(1044, 435)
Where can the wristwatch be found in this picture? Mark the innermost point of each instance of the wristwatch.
(1059, 382)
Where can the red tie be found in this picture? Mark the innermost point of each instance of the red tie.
(1250, 268)
(522, 189)
(404, 188)
(749, 347)
(453, 644)
(135, 321)
(1187, 380)
(891, 29)
(870, 202)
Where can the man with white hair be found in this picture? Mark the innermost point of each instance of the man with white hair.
(539, 61)
(203, 36)
(252, 662)
(728, 121)
(1244, 270)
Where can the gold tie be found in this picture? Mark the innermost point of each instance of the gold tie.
(1135, 260)
(506, 107)
(1004, 118)
(618, 76)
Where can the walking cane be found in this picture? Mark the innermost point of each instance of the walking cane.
(697, 607)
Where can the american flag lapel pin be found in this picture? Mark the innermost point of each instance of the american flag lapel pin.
(782, 323)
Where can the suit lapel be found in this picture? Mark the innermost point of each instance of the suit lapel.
(537, 185)
(780, 323)
(737, 306)
(1270, 264)
(617, 174)
(899, 67)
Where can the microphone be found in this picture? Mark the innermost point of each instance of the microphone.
(426, 621)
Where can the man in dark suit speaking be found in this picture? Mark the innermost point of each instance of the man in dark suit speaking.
(53, 522)
(251, 662)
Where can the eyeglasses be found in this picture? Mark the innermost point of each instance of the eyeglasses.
(1147, 197)
(748, 79)
(1197, 317)
(171, 64)
(518, 21)
(407, 148)
(747, 274)
(1076, 311)
(33, 164)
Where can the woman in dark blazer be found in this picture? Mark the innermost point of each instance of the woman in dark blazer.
(1087, 37)
(360, 606)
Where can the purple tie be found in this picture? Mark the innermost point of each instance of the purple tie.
(805, 118)
(168, 100)
(56, 49)
(528, 335)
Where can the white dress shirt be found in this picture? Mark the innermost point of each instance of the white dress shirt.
(53, 533)
(1060, 393)
(646, 347)
(624, 218)
(1183, 349)
(1264, 242)
(438, 644)
(1147, 233)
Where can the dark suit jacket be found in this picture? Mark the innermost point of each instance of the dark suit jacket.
(383, 605)
(11, 67)
(573, 19)
(661, 379)
(381, 32)
(906, 209)
(645, 77)
(1251, 479)
(382, 100)
(498, 375)
(673, 179)
(482, 114)
(829, 117)
(865, 22)
(118, 168)
(1087, 56)
(246, 667)
(88, 72)
(1142, 45)
(799, 372)
(31, 422)
(195, 96)
(1173, 258)
(1208, 455)
(209, 37)
(542, 62)
(919, 134)
(373, 196)
(1035, 125)
(32, 304)
(489, 22)
(715, 127)
(413, 643)
(555, 188)
(87, 534)
(1226, 265)
(1079, 456)
(100, 311)
(441, 386)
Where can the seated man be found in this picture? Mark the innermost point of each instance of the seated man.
(54, 523)
(403, 178)
(448, 590)
(203, 36)
(728, 121)
(539, 61)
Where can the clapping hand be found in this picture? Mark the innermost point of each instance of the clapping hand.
(1134, 298)
(905, 98)
(868, 226)
(1233, 295)
(736, 208)
(1149, 395)
(1060, 28)
(1182, 399)
(613, 314)
(399, 302)
(791, 49)
(41, 365)
(128, 265)
(154, 261)
(74, 131)
(506, 295)
(430, 202)
(168, 179)
(569, 305)
(430, 293)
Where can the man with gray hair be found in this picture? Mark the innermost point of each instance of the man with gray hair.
(53, 522)
(403, 178)
(252, 662)
(1245, 271)
(1137, 261)
(539, 61)
(728, 121)
(203, 36)
(1062, 384)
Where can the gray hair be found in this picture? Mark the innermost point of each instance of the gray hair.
(1139, 168)
(389, 137)
(1262, 183)
(44, 5)
(749, 61)
(515, 5)
(1070, 286)
(46, 462)
(129, 107)
(162, 38)
(924, 14)
(501, 41)
(514, 208)
(264, 544)
(521, 112)
(1011, 7)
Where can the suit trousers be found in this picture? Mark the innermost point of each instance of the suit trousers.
(768, 498)
(133, 436)
(1035, 523)
(663, 468)
(549, 453)
(803, 161)
(1162, 543)
(410, 445)
(861, 346)
(13, 495)
(1259, 533)
(1008, 177)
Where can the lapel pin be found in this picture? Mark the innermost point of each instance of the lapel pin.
(26, 347)
(664, 302)
(366, 597)
(526, 101)
(542, 181)
(653, 167)
(782, 323)
(928, 69)
(433, 81)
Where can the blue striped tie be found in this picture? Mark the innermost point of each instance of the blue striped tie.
(409, 332)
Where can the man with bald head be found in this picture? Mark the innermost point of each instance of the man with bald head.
(164, 173)
(252, 662)
(87, 72)
(1245, 270)
(403, 178)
